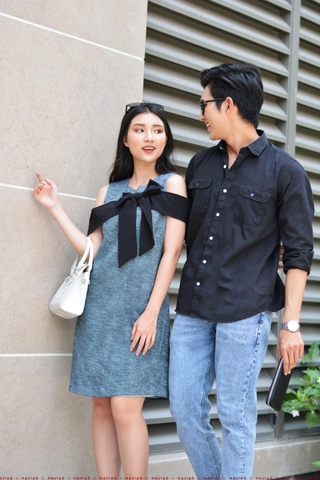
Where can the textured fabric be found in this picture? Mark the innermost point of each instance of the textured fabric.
(232, 354)
(237, 219)
(102, 364)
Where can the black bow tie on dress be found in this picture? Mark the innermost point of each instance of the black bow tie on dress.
(152, 198)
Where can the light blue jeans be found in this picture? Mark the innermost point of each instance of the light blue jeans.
(232, 354)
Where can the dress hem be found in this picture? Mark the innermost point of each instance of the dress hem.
(166, 397)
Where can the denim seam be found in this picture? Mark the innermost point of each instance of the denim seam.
(217, 467)
(245, 397)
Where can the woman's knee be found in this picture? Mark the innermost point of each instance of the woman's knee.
(126, 410)
(102, 407)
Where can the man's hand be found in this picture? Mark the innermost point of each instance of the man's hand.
(290, 348)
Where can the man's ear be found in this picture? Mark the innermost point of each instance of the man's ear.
(230, 106)
(229, 103)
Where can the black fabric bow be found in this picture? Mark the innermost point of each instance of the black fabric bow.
(152, 198)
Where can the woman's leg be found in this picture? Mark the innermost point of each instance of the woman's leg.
(105, 443)
(132, 435)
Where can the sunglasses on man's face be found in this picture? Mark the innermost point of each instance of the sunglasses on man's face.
(138, 104)
(203, 103)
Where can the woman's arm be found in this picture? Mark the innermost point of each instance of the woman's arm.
(46, 193)
(144, 330)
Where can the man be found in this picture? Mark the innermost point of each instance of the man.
(247, 197)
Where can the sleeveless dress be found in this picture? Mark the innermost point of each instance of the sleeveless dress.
(102, 364)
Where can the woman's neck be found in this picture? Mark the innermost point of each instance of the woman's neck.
(142, 176)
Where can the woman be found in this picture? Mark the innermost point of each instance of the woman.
(121, 340)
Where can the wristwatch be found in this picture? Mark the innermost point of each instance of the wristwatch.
(291, 325)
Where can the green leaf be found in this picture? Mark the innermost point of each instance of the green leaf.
(298, 381)
(314, 350)
(304, 393)
(312, 373)
(316, 391)
(312, 353)
(312, 419)
(293, 405)
(317, 464)
(290, 390)
(289, 398)
(286, 407)
(290, 394)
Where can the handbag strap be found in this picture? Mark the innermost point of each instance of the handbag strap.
(88, 250)
(90, 253)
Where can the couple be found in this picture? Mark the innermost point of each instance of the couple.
(246, 197)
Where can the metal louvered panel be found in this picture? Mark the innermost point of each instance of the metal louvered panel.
(307, 153)
(282, 38)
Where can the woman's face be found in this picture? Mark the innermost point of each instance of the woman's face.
(146, 137)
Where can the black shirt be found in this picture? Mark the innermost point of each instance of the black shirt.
(237, 220)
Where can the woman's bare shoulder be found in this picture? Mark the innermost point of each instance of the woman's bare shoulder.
(101, 195)
(176, 184)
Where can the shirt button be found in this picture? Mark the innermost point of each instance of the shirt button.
(224, 190)
(197, 184)
(251, 194)
(211, 238)
(217, 214)
(204, 261)
(224, 166)
(198, 284)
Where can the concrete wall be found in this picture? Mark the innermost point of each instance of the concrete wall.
(272, 460)
(67, 69)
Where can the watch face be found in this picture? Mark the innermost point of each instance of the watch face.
(293, 326)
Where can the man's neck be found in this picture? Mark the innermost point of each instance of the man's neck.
(239, 139)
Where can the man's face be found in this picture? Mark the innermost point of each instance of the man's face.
(212, 116)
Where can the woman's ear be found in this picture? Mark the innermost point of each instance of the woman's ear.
(125, 143)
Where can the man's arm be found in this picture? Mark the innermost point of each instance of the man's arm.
(290, 344)
(296, 209)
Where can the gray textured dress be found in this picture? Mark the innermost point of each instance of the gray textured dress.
(102, 364)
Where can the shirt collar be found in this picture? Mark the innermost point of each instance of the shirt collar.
(256, 147)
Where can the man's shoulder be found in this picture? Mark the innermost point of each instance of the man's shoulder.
(284, 160)
(286, 166)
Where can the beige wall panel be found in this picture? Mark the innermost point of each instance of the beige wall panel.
(61, 101)
(45, 430)
(119, 24)
(38, 258)
(62, 107)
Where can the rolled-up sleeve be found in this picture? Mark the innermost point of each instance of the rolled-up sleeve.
(296, 210)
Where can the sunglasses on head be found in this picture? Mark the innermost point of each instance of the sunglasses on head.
(203, 103)
(138, 104)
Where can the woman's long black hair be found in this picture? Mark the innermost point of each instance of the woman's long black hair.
(122, 167)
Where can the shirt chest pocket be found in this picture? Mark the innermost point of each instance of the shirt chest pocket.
(200, 189)
(251, 204)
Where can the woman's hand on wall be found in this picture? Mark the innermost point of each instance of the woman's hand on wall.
(46, 192)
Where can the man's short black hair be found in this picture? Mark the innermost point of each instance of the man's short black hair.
(240, 82)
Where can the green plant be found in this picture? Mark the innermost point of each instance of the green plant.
(306, 397)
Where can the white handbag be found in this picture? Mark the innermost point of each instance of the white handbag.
(69, 300)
